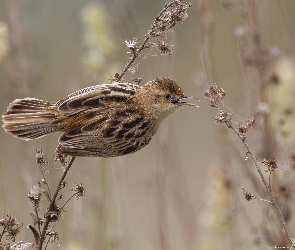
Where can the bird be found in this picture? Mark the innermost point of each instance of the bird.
(106, 120)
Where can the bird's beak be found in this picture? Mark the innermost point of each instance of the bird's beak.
(187, 97)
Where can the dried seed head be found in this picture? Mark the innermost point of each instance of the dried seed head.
(245, 127)
(271, 165)
(40, 157)
(114, 78)
(78, 190)
(223, 117)
(53, 235)
(137, 80)
(164, 48)
(63, 184)
(21, 245)
(215, 94)
(11, 226)
(248, 195)
(173, 13)
(5, 246)
(132, 46)
(34, 195)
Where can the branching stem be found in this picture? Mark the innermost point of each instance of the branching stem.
(159, 25)
(267, 187)
(68, 200)
(53, 200)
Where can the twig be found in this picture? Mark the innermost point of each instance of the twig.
(249, 197)
(35, 233)
(39, 224)
(68, 200)
(135, 55)
(47, 243)
(46, 183)
(215, 94)
(267, 187)
(163, 22)
(53, 200)
(41, 162)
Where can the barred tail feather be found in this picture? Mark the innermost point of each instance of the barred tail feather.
(29, 118)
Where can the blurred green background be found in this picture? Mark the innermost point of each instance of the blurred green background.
(171, 194)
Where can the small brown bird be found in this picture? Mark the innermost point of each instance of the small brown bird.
(103, 120)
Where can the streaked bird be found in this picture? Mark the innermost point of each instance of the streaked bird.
(104, 120)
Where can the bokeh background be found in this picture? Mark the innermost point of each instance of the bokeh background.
(182, 191)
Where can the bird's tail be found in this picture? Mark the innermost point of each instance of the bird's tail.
(30, 118)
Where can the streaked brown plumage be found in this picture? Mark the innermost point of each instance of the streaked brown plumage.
(103, 120)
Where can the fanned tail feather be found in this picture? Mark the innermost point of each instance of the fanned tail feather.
(30, 118)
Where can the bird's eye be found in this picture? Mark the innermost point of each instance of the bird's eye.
(167, 96)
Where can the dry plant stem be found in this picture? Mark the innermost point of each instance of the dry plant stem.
(268, 188)
(135, 55)
(68, 201)
(148, 35)
(35, 233)
(37, 214)
(47, 244)
(46, 183)
(53, 200)
(138, 51)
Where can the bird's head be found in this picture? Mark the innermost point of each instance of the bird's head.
(163, 96)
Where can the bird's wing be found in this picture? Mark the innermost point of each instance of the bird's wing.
(85, 146)
(112, 134)
(99, 96)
